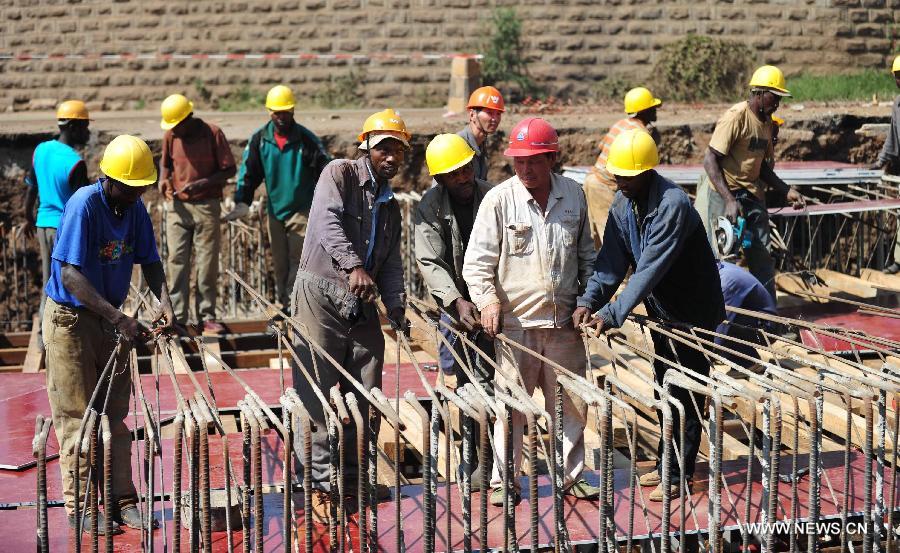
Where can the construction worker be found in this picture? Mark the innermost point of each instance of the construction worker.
(443, 225)
(735, 179)
(104, 231)
(654, 231)
(196, 162)
(743, 290)
(57, 171)
(290, 158)
(529, 256)
(889, 159)
(599, 185)
(352, 258)
(485, 108)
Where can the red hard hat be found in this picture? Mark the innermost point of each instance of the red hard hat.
(532, 136)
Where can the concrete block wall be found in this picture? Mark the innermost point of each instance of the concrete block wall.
(571, 45)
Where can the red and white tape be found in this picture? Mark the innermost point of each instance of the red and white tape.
(232, 56)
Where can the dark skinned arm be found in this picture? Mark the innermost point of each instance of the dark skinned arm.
(129, 327)
(84, 291)
(156, 280)
(28, 210)
(78, 176)
(713, 166)
(214, 181)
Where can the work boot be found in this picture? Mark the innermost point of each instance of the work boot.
(892, 269)
(583, 490)
(674, 492)
(101, 524)
(131, 517)
(212, 328)
(496, 498)
(650, 479)
(321, 506)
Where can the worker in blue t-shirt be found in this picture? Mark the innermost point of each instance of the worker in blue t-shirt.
(57, 171)
(104, 231)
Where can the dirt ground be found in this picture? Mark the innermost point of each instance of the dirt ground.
(812, 132)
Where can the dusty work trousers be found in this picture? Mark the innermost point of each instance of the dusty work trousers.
(599, 195)
(78, 344)
(46, 237)
(357, 346)
(710, 205)
(692, 402)
(564, 346)
(286, 240)
(194, 226)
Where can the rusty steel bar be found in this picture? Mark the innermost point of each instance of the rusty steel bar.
(306, 427)
(39, 449)
(247, 439)
(372, 538)
(94, 483)
(106, 436)
(257, 437)
(288, 522)
(356, 415)
(427, 512)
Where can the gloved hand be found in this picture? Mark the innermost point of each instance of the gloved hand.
(397, 318)
(240, 210)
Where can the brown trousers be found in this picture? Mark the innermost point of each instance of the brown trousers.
(194, 227)
(286, 240)
(78, 345)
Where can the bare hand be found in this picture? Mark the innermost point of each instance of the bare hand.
(490, 319)
(468, 314)
(732, 209)
(164, 319)
(130, 328)
(165, 189)
(796, 198)
(877, 166)
(193, 186)
(398, 320)
(362, 285)
(581, 316)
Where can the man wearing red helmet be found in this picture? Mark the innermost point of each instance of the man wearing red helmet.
(486, 108)
(529, 257)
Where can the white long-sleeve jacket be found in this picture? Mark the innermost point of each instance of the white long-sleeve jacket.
(533, 264)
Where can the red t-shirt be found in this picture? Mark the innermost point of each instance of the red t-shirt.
(280, 141)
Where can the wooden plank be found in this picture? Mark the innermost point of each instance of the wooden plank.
(15, 339)
(846, 283)
(211, 342)
(13, 356)
(34, 359)
(881, 280)
(413, 434)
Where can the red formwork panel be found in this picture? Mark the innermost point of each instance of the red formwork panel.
(23, 397)
(581, 517)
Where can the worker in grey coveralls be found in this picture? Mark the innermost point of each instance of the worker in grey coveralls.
(443, 225)
(889, 158)
(352, 246)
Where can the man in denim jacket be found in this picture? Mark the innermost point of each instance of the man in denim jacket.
(653, 230)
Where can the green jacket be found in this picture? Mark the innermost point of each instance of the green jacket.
(290, 174)
(439, 244)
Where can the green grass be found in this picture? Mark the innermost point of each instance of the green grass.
(242, 98)
(852, 86)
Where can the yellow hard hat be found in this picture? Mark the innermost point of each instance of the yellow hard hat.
(770, 78)
(72, 109)
(128, 160)
(638, 99)
(174, 109)
(447, 153)
(280, 98)
(632, 153)
(777, 120)
(385, 122)
(896, 66)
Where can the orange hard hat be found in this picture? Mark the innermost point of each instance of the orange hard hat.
(486, 97)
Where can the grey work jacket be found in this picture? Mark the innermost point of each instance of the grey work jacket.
(480, 161)
(440, 249)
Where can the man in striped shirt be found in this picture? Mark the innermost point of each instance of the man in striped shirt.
(600, 185)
